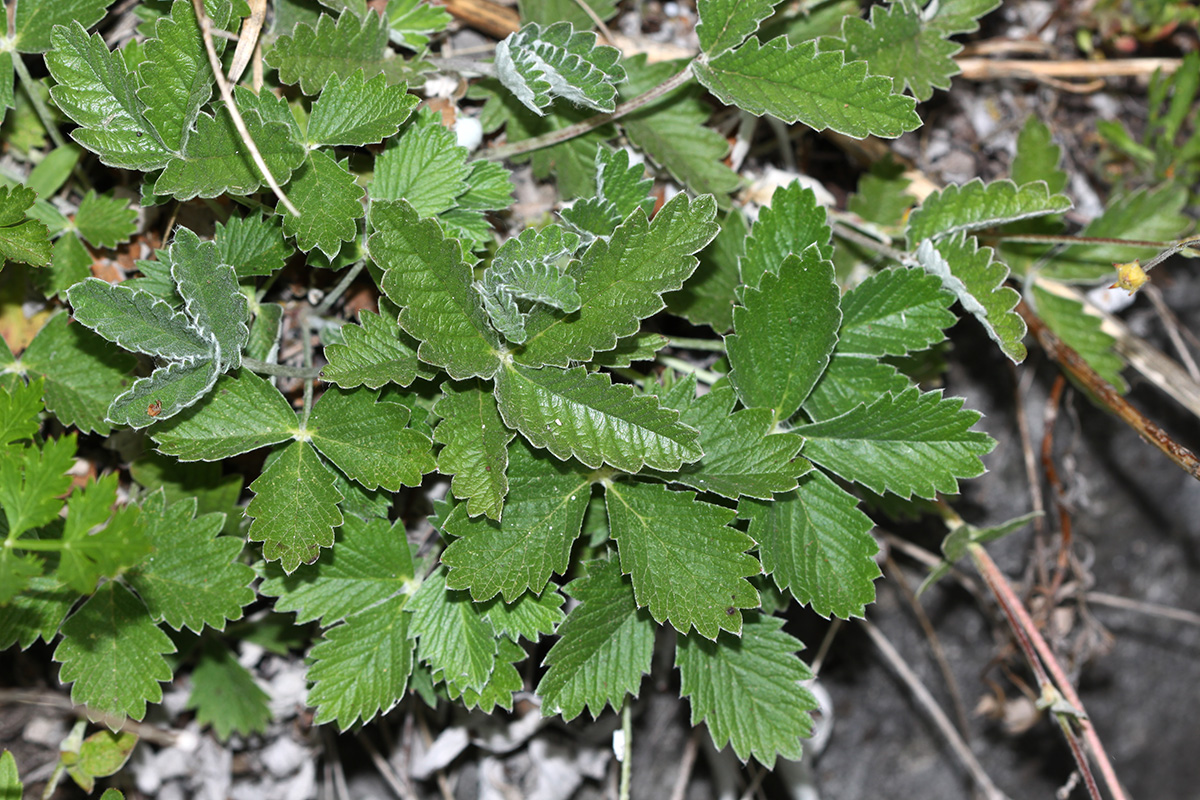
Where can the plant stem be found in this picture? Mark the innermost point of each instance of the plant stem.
(503, 151)
(337, 291)
(678, 364)
(464, 65)
(43, 111)
(627, 755)
(280, 370)
(686, 343)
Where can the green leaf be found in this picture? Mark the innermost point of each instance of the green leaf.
(82, 372)
(740, 458)
(168, 391)
(620, 282)
(547, 12)
(748, 689)
(194, 577)
(793, 222)
(537, 65)
(113, 653)
(263, 343)
(34, 612)
(426, 277)
(619, 188)
(882, 196)
(137, 320)
(86, 557)
(573, 413)
(894, 312)
(1038, 157)
(530, 616)
(542, 518)
(357, 112)
(604, 647)
(784, 332)
(212, 490)
(909, 443)
(226, 696)
(968, 272)
(35, 20)
(329, 202)
(372, 353)
(476, 447)
(20, 406)
(253, 245)
(424, 166)
(49, 174)
(798, 84)
(724, 24)
(411, 21)
(243, 413)
(176, 79)
(368, 440)
(24, 240)
(210, 295)
(976, 205)
(815, 543)
(310, 56)
(708, 296)
(32, 482)
(294, 507)
(501, 684)
(490, 187)
(850, 381)
(70, 262)
(686, 564)
(98, 756)
(453, 636)
(10, 782)
(105, 221)
(1082, 333)
(369, 563)
(95, 89)
(361, 667)
(639, 347)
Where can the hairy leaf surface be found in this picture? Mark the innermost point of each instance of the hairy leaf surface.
(294, 507)
(476, 447)
(242, 413)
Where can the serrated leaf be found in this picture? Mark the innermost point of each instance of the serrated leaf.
(176, 79)
(977, 205)
(137, 320)
(453, 636)
(529, 617)
(688, 567)
(372, 353)
(82, 373)
(476, 447)
(329, 202)
(241, 414)
(639, 347)
(113, 653)
(604, 648)
(215, 160)
(793, 222)
(619, 188)
(798, 84)
(724, 24)
(489, 187)
(87, 556)
(32, 481)
(1082, 332)
(309, 56)
(294, 507)
(95, 89)
(105, 221)
(573, 413)
(538, 65)
(748, 690)
(424, 166)
(70, 262)
(784, 332)
(20, 405)
(361, 667)
(501, 684)
(24, 240)
(35, 20)
(968, 272)
(168, 391)
(369, 563)
(527, 266)
(210, 295)
(542, 517)
(34, 612)
(707, 298)
(850, 381)
(212, 490)
(894, 312)
(740, 458)
(620, 282)
(369, 440)
(357, 112)
(193, 578)
(1038, 157)
(252, 244)
(426, 277)
(226, 696)
(909, 443)
(816, 543)
(410, 22)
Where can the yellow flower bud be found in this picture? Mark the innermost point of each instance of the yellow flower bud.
(1130, 277)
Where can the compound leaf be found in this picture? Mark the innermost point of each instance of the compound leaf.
(210, 295)
(537, 65)
(894, 312)
(909, 443)
(20, 405)
(169, 390)
(604, 647)
(21, 239)
(113, 652)
(724, 24)
(194, 577)
(476, 447)
(686, 564)
(36, 610)
(708, 297)
(294, 507)
(411, 22)
(618, 188)
(798, 84)
(371, 353)
(530, 616)
(32, 482)
(357, 112)
(793, 222)
(310, 56)
(573, 413)
(815, 543)
(329, 202)
(86, 557)
(784, 332)
(243, 413)
(424, 166)
(453, 636)
(252, 244)
(976, 205)
(748, 689)
(542, 518)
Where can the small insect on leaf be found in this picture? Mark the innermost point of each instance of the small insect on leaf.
(1130, 277)
(155, 408)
